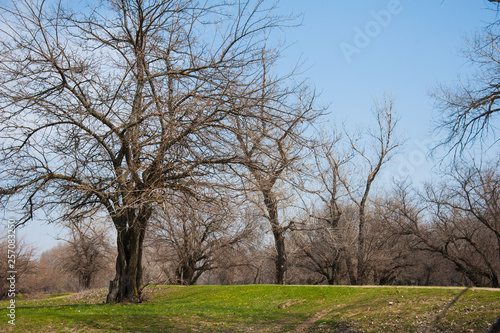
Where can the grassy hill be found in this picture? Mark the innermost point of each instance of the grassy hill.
(261, 308)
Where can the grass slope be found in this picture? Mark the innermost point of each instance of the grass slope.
(261, 308)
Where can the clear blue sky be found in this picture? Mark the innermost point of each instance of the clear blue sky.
(405, 55)
(410, 53)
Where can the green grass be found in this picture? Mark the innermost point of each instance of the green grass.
(260, 308)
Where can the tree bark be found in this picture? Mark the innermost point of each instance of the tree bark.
(280, 261)
(279, 239)
(350, 268)
(126, 286)
(185, 273)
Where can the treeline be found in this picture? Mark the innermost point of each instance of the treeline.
(445, 233)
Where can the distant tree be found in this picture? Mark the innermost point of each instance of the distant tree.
(25, 264)
(49, 277)
(346, 176)
(459, 220)
(330, 239)
(109, 108)
(188, 236)
(87, 252)
(324, 248)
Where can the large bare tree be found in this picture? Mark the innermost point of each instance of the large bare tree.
(104, 108)
(271, 148)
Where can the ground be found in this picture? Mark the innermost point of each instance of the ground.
(262, 308)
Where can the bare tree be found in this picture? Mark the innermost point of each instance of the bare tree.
(384, 147)
(459, 221)
(49, 276)
(467, 211)
(331, 235)
(271, 148)
(25, 264)
(325, 248)
(108, 108)
(346, 178)
(189, 236)
(469, 109)
(87, 251)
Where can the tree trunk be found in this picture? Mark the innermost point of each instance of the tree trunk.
(498, 243)
(350, 268)
(362, 269)
(184, 274)
(494, 280)
(85, 281)
(279, 237)
(130, 237)
(280, 261)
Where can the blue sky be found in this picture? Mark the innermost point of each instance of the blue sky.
(406, 56)
(416, 49)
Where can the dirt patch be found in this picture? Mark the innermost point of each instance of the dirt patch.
(309, 322)
(339, 328)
